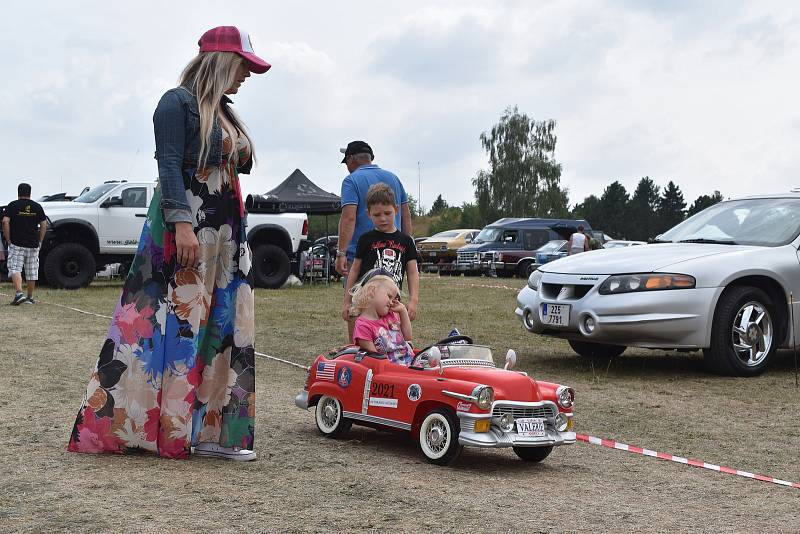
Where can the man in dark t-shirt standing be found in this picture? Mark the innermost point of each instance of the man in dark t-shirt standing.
(24, 226)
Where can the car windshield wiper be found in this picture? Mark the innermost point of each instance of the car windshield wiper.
(660, 241)
(710, 241)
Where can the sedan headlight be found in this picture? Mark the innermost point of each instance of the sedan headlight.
(628, 283)
(534, 279)
(566, 396)
(485, 397)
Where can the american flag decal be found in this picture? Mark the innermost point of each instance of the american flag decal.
(326, 370)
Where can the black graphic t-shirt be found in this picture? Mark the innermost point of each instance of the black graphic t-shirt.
(24, 217)
(390, 251)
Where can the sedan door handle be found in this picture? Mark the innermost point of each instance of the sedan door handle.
(141, 215)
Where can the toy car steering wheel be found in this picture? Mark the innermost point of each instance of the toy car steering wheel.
(453, 339)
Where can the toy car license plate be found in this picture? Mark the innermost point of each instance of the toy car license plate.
(531, 427)
(555, 314)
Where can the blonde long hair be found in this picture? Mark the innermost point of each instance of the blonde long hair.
(363, 294)
(209, 75)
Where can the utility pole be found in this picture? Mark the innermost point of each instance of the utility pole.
(419, 190)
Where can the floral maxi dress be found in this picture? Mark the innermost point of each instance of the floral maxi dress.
(177, 367)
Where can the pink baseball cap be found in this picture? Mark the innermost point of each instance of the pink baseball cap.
(232, 39)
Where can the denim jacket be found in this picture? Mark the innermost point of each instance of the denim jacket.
(177, 130)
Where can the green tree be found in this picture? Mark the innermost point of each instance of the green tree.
(643, 204)
(438, 206)
(702, 202)
(523, 179)
(471, 216)
(413, 206)
(448, 219)
(614, 210)
(318, 223)
(671, 208)
(589, 210)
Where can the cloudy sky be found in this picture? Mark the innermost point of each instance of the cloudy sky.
(702, 93)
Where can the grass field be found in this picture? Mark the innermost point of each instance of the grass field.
(375, 480)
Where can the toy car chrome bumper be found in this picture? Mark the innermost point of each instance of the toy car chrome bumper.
(496, 437)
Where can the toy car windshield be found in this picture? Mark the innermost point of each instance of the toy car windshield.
(454, 354)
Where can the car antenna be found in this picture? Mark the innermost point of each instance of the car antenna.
(794, 337)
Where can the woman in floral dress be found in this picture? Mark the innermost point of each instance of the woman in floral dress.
(176, 373)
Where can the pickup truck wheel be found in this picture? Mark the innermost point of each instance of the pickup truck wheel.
(69, 266)
(533, 454)
(330, 421)
(271, 266)
(438, 437)
(596, 350)
(743, 337)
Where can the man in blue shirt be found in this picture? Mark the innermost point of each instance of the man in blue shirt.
(358, 157)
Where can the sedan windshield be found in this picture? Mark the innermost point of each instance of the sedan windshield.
(94, 193)
(445, 235)
(767, 222)
(488, 235)
(551, 246)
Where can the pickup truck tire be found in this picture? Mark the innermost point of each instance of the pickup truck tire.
(69, 266)
(271, 266)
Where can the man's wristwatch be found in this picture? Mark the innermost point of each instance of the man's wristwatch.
(341, 253)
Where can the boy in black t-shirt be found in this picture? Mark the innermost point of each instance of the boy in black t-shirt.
(384, 247)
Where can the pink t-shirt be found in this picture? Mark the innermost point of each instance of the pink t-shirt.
(385, 333)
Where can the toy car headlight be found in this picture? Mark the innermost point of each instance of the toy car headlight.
(562, 421)
(534, 279)
(566, 396)
(628, 283)
(485, 397)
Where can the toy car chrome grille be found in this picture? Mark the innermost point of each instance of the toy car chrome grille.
(518, 412)
(465, 361)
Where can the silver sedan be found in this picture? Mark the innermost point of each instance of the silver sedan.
(722, 281)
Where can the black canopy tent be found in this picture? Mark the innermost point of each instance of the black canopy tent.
(298, 194)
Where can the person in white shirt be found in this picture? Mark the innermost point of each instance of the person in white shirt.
(578, 242)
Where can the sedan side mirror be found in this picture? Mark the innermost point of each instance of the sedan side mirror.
(511, 359)
(111, 201)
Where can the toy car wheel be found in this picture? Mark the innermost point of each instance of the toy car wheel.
(438, 437)
(533, 454)
(330, 421)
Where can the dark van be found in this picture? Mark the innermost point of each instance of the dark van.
(516, 237)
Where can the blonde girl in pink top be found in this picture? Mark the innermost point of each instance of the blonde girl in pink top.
(382, 324)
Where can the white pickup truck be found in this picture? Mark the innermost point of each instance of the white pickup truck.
(103, 225)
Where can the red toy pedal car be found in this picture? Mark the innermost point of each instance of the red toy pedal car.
(452, 395)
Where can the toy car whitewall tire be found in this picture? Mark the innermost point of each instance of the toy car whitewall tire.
(533, 454)
(438, 437)
(330, 421)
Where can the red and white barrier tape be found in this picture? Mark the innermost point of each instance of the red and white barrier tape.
(611, 444)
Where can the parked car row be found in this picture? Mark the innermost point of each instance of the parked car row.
(508, 247)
